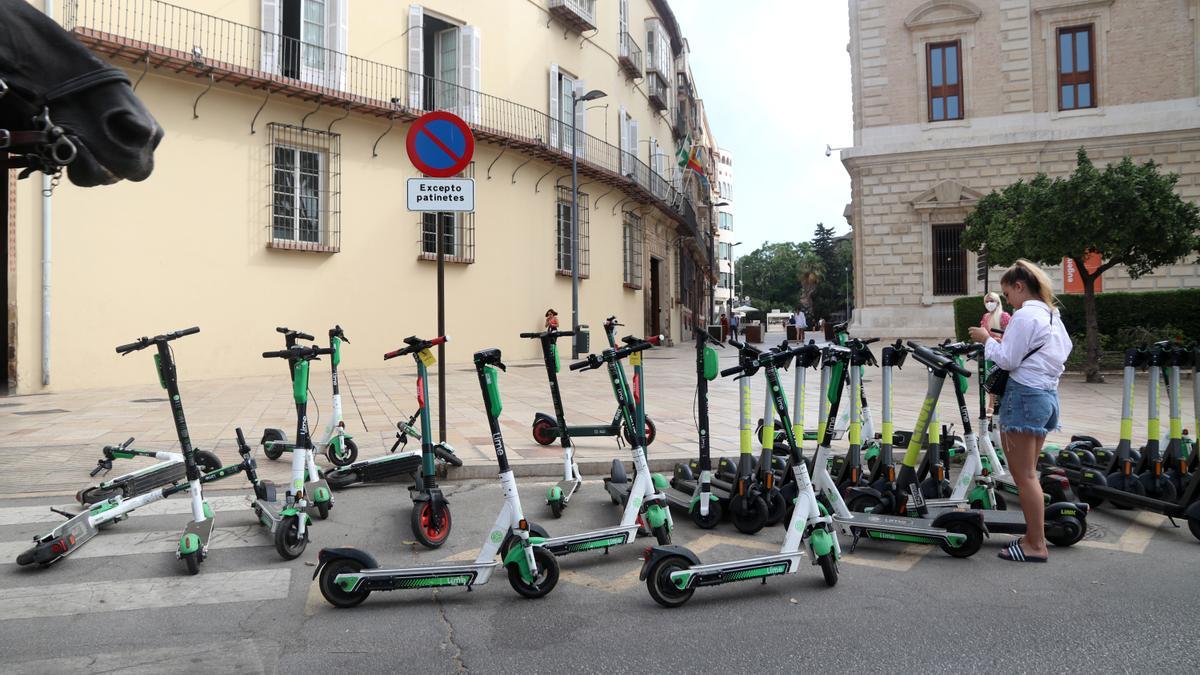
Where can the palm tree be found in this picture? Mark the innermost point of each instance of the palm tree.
(810, 272)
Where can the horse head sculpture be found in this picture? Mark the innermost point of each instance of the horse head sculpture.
(60, 105)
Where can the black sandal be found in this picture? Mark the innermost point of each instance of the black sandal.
(1015, 553)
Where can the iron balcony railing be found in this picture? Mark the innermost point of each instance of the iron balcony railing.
(152, 33)
(629, 55)
(658, 91)
(578, 14)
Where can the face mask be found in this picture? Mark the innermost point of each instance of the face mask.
(991, 306)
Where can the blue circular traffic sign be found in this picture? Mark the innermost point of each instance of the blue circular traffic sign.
(440, 144)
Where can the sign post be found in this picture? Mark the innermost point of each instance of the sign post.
(440, 145)
(1071, 281)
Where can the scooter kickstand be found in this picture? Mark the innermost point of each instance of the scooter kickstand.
(854, 543)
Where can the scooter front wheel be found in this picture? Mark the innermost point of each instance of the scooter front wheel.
(776, 507)
(348, 455)
(969, 547)
(710, 521)
(544, 432)
(749, 515)
(288, 542)
(651, 433)
(431, 529)
(206, 461)
(333, 593)
(829, 569)
(323, 510)
(97, 494)
(543, 583)
(659, 583)
(192, 562)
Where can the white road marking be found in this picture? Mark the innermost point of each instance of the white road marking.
(179, 504)
(110, 543)
(33, 602)
(241, 656)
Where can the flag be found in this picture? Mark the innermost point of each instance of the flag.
(693, 161)
(683, 154)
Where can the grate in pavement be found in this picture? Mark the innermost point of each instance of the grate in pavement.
(149, 400)
(1095, 532)
(48, 411)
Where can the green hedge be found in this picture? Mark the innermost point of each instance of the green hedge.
(1121, 316)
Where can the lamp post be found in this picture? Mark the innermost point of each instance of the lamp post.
(732, 273)
(575, 340)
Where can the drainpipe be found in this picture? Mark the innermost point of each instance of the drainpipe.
(49, 9)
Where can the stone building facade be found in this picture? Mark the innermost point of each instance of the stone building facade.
(954, 99)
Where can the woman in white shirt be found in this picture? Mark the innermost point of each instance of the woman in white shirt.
(1034, 351)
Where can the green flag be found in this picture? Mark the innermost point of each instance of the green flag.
(685, 151)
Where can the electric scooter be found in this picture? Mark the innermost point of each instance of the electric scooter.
(673, 573)
(645, 504)
(168, 471)
(394, 464)
(1094, 485)
(287, 520)
(348, 575)
(958, 533)
(337, 445)
(618, 484)
(546, 428)
(704, 502)
(1065, 522)
(430, 516)
(193, 545)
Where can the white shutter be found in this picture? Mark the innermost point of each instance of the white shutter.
(416, 55)
(337, 35)
(633, 146)
(552, 138)
(623, 140)
(270, 36)
(580, 121)
(468, 74)
(623, 27)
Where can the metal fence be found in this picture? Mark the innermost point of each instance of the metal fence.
(228, 51)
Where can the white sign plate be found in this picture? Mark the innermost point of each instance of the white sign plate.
(441, 194)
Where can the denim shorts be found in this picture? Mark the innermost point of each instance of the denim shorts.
(1027, 410)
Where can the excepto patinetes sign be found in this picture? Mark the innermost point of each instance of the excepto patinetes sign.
(441, 194)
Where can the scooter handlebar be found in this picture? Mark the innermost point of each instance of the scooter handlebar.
(591, 362)
(143, 342)
(414, 344)
(732, 371)
(932, 359)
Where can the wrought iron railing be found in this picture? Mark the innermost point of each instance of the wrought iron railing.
(201, 44)
(583, 10)
(629, 54)
(659, 91)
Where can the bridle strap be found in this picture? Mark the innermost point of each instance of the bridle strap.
(82, 82)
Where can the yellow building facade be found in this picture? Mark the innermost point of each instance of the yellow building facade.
(278, 195)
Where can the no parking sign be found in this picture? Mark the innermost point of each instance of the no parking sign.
(440, 145)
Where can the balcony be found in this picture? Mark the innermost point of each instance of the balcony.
(629, 56)
(578, 15)
(190, 45)
(658, 91)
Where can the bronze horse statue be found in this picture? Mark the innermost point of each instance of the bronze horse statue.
(62, 106)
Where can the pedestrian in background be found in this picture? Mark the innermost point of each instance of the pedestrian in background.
(1034, 351)
(734, 322)
(995, 318)
(551, 320)
(800, 322)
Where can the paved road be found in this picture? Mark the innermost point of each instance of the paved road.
(1122, 600)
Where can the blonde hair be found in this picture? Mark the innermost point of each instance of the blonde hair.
(1035, 279)
(994, 315)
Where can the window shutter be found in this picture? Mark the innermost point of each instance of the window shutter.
(416, 55)
(580, 121)
(468, 73)
(337, 34)
(623, 27)
(633, 144)
(270, 36)
(623, 140)
(554, 106)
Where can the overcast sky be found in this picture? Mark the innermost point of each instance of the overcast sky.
(775, 79)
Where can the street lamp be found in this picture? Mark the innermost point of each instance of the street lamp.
(577, 338)
(732, 273)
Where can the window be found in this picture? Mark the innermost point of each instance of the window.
(1076, 72)
(563, 233)
(949, 261)
(564, 90)
(632, 250)
(724, 251)
(725, 220)
(458, 231)
(726, 280)
(306, 40)
(445, 61)
(305, 180)
(944, 68)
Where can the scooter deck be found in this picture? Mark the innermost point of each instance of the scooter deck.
(589, 541)
(165, 474)
(896, 528)
(378, 469)
(202, 529)
(569, 487)
(688, 488)
(675, 497)
(385, 579)
(713, 574)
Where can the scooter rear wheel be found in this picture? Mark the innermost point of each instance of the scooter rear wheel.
(543, 583)
(749, 515)
(339, 479)
(431, 530)
(333, 593)
(288, 542)
(658, 582)
(651, 433)
(544, 432)
(94, 495)
(206, 461)
(864, 503)
(192, 562)
(969, 547)
(776, 507)
(829, 569)
(556, 507)
(1194, 527)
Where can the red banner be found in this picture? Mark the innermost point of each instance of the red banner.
(1071, 281)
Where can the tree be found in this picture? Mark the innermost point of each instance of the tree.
(1128, 213)
(777, 275)
(836, 257)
